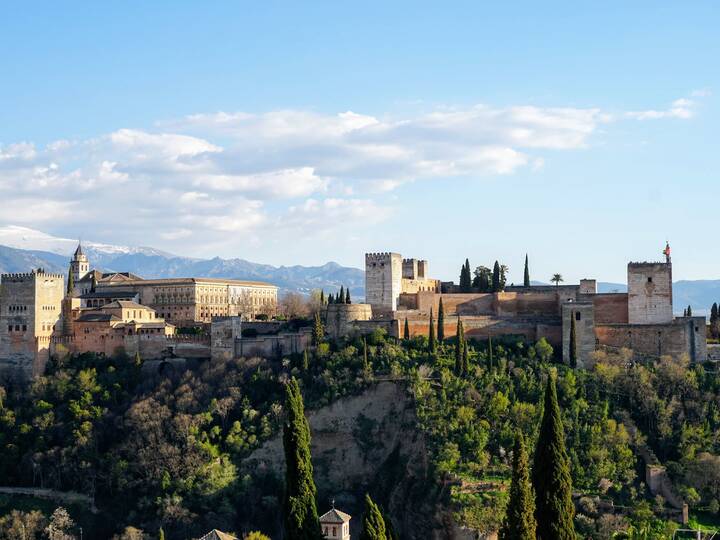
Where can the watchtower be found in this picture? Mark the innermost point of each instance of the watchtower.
(650, 291)
(383, 280)
(30, 313)
(79, 266)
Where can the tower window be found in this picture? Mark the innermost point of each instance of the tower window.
(577, 315)
(649, 279)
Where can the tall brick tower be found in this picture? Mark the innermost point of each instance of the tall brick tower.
(650, 291)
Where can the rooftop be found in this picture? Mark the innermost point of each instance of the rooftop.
(217, 535)
(191, 280)
(335, 516)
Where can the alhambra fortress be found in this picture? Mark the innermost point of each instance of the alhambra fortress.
(43, 314)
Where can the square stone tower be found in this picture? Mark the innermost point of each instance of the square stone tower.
(650, 293)
(383, 281)
(30, 314)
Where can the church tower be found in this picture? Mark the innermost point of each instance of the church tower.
(79, 265)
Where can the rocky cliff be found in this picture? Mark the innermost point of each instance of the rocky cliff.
(370, 443)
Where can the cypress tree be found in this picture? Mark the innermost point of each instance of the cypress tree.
(373, 524)
(714, 320)
(431, 335)
(441, 322)
(300, 510)
(306, 361)
(573, 341)
(318, 330)
(406, 331)
(689, 311)
(465, 356)
(460, 349)
(71, 282)
(161, 534)
(519, 522)
(496, 277)
(526, 276)
(330, 299)
(347, 295)
(341, 295)
(554, 510)
(322, 297)
(490, 351)
(465, 278)
(366, 362)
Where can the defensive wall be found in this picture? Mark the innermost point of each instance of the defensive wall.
(148, 345)
(226, 341)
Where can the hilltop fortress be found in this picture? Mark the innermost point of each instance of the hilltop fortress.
(642, 319)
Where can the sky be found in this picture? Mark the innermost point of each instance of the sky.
(583, 134)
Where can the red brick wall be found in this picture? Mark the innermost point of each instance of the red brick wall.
(610, 308)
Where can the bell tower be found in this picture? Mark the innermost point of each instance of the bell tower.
(79, 265)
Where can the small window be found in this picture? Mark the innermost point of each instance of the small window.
(649, 279)
(10, 328)
(577, 315)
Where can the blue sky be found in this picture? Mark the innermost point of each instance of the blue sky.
(581, 133)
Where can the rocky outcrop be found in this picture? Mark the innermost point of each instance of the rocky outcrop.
(369, 443)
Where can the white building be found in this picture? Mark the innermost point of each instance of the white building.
(335, 525)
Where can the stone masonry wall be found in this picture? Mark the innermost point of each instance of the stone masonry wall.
(383, 280)
(650, 293)
(583, 314)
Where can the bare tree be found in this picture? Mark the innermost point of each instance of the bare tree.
(294, 305)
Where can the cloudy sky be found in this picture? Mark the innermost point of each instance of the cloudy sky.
(298, 133)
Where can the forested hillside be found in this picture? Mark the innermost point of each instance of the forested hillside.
(179, 449)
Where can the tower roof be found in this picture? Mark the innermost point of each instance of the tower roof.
(79, 252)
(334, 516)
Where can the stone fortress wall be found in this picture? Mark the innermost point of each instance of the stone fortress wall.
(640, 319)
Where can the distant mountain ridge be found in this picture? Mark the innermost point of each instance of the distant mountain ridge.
(22, 249)
(330, 276)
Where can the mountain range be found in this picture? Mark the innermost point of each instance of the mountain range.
(22, 249)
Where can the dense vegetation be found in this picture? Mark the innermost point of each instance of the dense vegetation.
(167, 448)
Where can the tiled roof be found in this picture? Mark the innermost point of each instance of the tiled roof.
(217, 535)
(335, 516)
(125, 304)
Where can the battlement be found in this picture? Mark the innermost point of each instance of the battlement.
(383, 256)
(648, 264)
(20, 277)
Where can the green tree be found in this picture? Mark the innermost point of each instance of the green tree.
(161, 534)
(70, 283)
(322, 297)
(573, 353)
(526, 274)
(432, 345)
(373, 524)
(330, 299)
(347, 295)
(406, 330)
(306, 361)
(714, 320)
(460, 349)
(441, 322)
(519, 522)
(556, 279)
(689, 311)
(554, 510)
(318, 330)
(300, 509)
(465, 278)
(496, 277)
(341, 295)
(483, 277)
(366, 361)
(390, 532)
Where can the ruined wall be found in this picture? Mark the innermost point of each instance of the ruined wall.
(610, 308)
(683, 335)
(383, 280)
(649, 293)
(583, 314)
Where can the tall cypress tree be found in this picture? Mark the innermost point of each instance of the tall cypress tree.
(441, 322)
(573, 353)
(341, 295)
(554, 510)
(71, 282)
(714, 320)
(406, 331)
(519, 522)
(465, 356)
(689, 311)
(432, 346)
(496, 277)
(526, 276)
(347, 295)
(465, 277)
(330, 299)
(373, 524)
(306, 361)
(300, 509)
(161, 534)
(390, 532)
(460, 349)
(322, 297)
(318, 330)
(366, 362)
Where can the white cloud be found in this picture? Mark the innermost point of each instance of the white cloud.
(231, 176)
(682, 108)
